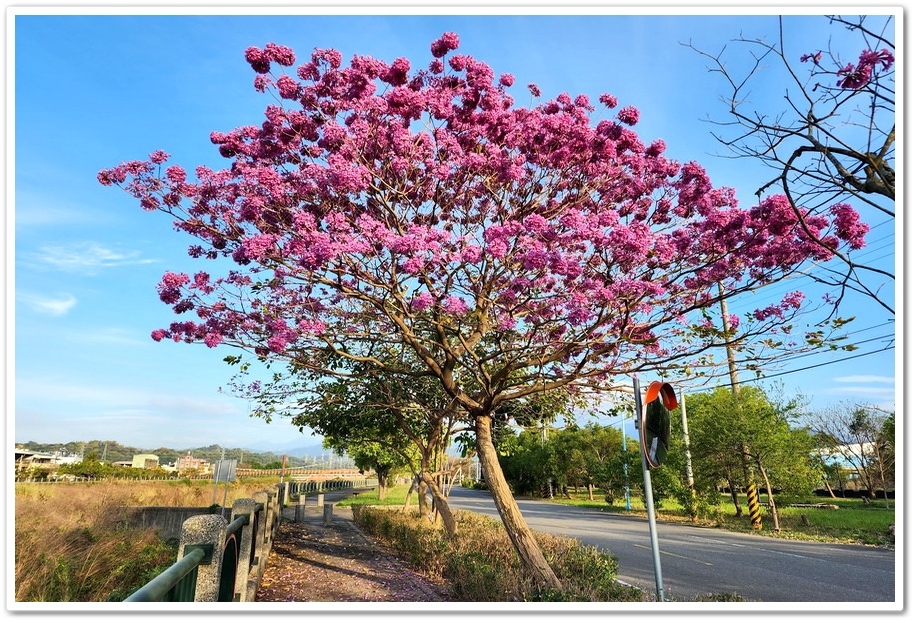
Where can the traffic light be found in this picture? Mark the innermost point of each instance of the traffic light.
(655, 426)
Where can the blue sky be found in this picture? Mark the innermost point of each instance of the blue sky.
(90, 91)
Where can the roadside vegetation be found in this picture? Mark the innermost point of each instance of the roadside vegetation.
(71, 545)
(481, 565)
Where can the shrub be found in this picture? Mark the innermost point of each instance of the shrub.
(481, 564)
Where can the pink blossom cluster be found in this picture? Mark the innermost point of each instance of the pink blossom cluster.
(380, 198)
(857, 76)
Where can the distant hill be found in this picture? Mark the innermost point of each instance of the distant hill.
(112, 451)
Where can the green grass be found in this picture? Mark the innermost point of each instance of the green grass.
(854, 522)
(394, 496)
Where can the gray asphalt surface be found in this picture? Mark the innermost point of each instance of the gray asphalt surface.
(699, 561)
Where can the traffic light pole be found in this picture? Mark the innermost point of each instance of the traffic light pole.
(650, 502)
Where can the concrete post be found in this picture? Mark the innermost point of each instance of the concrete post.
(244, 506)
(260, 539)
(328, 512)
(320, 500)
(205, 531)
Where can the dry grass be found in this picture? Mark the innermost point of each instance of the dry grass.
(70, 545)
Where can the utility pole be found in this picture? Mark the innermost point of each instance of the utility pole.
(693, 493)
(543, 444)
(753, 503)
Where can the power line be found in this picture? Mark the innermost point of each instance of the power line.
(811, 367)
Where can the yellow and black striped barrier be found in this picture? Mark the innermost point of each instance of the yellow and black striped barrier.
(753, 507)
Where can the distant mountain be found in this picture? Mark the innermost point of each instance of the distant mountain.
(112, 451)
(293, 449)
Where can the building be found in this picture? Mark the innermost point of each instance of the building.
(189, 463)
(145, 461)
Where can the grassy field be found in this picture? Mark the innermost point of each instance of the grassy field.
(71, 547)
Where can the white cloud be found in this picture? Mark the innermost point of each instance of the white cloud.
(83, 257)
(866, 389)
(49, 306)
(864, 378)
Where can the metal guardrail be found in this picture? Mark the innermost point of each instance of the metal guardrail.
(176, 583)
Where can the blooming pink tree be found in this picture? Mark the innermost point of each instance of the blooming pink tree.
(510, 251)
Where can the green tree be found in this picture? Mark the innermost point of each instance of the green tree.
(89, 467)
(586, 453)
(527, 463)
(725, 427)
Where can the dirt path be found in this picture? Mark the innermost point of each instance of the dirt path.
(311, 561)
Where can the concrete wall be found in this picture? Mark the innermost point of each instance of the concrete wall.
(167, 520)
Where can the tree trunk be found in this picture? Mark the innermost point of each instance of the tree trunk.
(829, 489)
(770, 498)
(383, 475)
(519, 533)
(410, 490)
(441, 504)
(731, 489)
(422, 502)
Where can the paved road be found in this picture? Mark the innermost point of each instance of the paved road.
(697, 561)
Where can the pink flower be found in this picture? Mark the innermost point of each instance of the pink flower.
(854, 78)
(397, 73)
(287, 87)
(628, 115)
(175, 280)
(332, 57)
(257, 59)
(280, 54)
(608, 100)
(176, 174)
(816, 57)
(312, 326)
(507, 80)
(277, 343)
(534, 90)
(848, 226)
(258, 246)
(441, 46)
(212, 340)
(454, 305)
(422, 301)
(793, 299)
(871, 57)
(158, 157)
